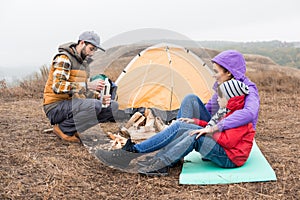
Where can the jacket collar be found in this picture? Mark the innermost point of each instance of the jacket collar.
(71, 49)
(236, 103)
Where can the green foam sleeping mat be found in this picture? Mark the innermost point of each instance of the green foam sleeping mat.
(198, 172)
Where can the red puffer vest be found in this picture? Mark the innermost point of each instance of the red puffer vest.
(237, 142)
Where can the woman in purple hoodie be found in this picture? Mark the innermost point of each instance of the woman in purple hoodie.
(227, 65)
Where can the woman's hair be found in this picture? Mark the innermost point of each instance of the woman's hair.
(226, 70)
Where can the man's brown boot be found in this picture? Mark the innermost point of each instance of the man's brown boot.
(59, 133)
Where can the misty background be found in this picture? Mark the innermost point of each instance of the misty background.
(31, 31)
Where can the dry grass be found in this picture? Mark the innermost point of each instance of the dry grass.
(32, 87)
(35, 165)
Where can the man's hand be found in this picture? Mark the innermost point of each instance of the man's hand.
(106, 100)
(186, 120)
(97, 85)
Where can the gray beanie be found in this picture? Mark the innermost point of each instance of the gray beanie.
(233, 88)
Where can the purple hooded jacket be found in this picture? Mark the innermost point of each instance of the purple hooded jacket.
(235, 63)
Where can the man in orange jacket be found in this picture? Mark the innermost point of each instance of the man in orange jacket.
(72, 102)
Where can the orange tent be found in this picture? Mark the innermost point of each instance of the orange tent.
(161, 76)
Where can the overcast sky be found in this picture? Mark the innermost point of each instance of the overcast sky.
(31, 30)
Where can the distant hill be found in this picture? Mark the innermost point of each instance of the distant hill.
(283, 53)
(116, 59)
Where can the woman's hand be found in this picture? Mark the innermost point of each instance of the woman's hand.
(187, 120)
(203, 131)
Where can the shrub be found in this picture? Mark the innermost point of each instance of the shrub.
(30, 87)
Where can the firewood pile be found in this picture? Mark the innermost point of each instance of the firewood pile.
(139, 127)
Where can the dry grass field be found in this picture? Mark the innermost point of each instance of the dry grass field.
(37, 165)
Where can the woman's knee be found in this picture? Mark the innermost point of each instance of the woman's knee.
(190, 97)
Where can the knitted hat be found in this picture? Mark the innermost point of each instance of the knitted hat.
(233, 88)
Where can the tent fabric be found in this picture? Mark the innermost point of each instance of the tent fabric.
(160, 76)
(198, 172)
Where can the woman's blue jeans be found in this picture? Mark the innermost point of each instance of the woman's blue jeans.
(163, 138)
(185, 144)
(175, 142)
(191, 107)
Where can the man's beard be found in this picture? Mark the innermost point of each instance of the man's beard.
(83, 54)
